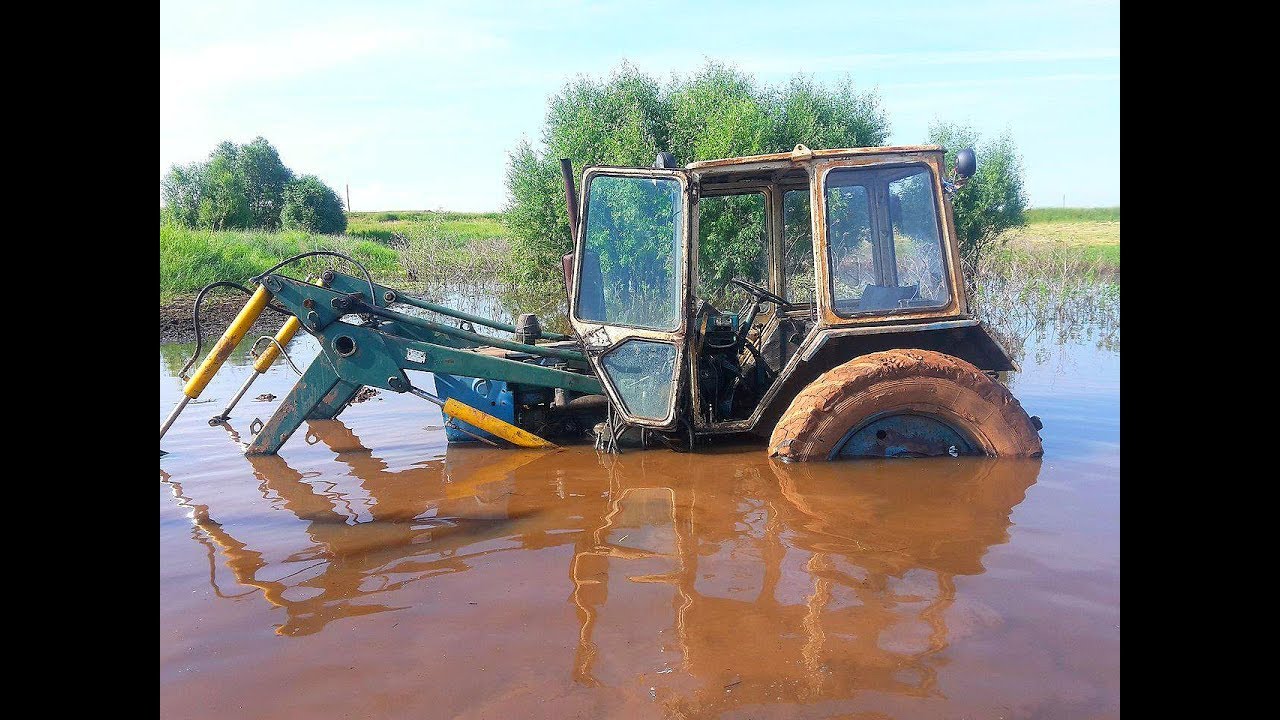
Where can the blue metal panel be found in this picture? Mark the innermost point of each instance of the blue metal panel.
(491, 396)
(904, 436)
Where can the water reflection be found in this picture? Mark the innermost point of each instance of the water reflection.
(688, 567)
(411, 531)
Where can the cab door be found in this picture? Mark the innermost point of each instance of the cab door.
(631, 286)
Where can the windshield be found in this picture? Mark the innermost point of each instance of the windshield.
(883, 244)
(631, 266)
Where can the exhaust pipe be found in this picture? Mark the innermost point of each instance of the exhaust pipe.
(570, 196)
(571, 204)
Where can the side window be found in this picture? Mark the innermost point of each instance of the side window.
(917, 246)
(732, 243)
(797, 247)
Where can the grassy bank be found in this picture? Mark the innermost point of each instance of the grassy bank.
(385, 226)
(191, 259)
(400, 246)
(1073, 215)
(438, 247)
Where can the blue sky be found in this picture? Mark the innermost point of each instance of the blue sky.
(416, 105)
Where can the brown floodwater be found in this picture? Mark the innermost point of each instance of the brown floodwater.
(372, 571)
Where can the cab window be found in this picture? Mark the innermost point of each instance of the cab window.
(883, 244)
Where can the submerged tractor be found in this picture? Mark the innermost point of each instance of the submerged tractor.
(813, 298)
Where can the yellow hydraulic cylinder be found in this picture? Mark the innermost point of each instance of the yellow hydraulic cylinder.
(226, 344)
(260, 366)
(493, 425)
(485, 421)
(286, 333)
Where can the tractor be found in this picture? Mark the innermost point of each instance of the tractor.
(814, 299)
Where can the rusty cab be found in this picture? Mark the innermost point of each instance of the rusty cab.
(815, 297)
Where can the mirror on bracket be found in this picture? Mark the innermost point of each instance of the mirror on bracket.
(966, 164)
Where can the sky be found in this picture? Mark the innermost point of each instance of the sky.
(415, 105)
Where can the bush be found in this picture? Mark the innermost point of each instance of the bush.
(719, 111)
(311, 205)
(993, 200)
(627, 118)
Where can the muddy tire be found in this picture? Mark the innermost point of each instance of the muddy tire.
(904, 403)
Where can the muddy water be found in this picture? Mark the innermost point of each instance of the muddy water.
(370, 570)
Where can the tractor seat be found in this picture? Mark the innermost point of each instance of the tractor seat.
(884, 297)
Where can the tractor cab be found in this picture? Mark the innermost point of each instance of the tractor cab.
(704, 294)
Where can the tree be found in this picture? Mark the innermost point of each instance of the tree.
(263, 178)
(183, 188)
(237, 187)
(628, 117)
(993, 200)
(223, 203)
(720, 111)
(311, 205)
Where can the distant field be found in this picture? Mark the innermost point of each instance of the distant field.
(1045, 215)
(1090, 234)
(383, 226)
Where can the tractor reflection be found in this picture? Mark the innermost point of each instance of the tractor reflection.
(703, 574)
(785, 582)
(422, 522)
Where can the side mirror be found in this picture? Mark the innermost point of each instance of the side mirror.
(966, 164)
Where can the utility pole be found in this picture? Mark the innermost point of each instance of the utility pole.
(349, 197)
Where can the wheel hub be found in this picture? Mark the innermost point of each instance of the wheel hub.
(905, 436)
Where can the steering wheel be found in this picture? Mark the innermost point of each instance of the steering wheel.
(759, 292)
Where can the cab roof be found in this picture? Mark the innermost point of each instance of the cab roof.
(802, 153)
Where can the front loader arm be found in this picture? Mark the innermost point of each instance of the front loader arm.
(379, 352)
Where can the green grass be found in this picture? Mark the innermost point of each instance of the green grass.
(383, 226)
(394, 245)
(1090, 235)
(1108, 255)
(1059, 215)
(191, 259)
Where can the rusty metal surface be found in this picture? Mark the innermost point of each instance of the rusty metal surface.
(815, 154)
(811, 348)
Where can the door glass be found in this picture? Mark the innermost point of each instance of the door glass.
(731, 244)
(797, 247)
(641, 371)
(631, 266)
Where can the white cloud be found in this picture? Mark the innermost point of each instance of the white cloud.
(201, 74)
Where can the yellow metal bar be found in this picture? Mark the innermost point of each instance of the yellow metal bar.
(232, 337)
(491, 424)
(286, 333)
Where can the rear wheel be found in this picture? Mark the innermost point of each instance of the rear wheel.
(904, 403)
